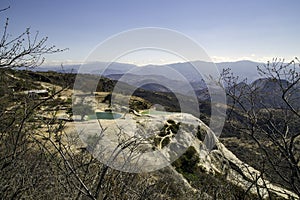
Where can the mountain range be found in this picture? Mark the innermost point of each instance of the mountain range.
(243, 68)
(184, 78)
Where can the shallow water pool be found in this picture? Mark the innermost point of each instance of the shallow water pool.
(105, 115)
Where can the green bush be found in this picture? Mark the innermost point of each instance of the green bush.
(165, 142)
(187, 163)
(201, 133)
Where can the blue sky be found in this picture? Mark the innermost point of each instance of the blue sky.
(228, 30)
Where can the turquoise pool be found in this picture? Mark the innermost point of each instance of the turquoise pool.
(105, 115)
(155, 112)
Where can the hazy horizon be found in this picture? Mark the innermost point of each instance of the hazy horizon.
(57, 64)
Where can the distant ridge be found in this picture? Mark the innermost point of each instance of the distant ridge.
(243, 68)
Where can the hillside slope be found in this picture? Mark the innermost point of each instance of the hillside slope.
(175, 142)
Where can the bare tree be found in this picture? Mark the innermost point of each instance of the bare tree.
(267, 111)
(24, 50)
(19, 154)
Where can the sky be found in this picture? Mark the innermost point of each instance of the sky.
(257, 30)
